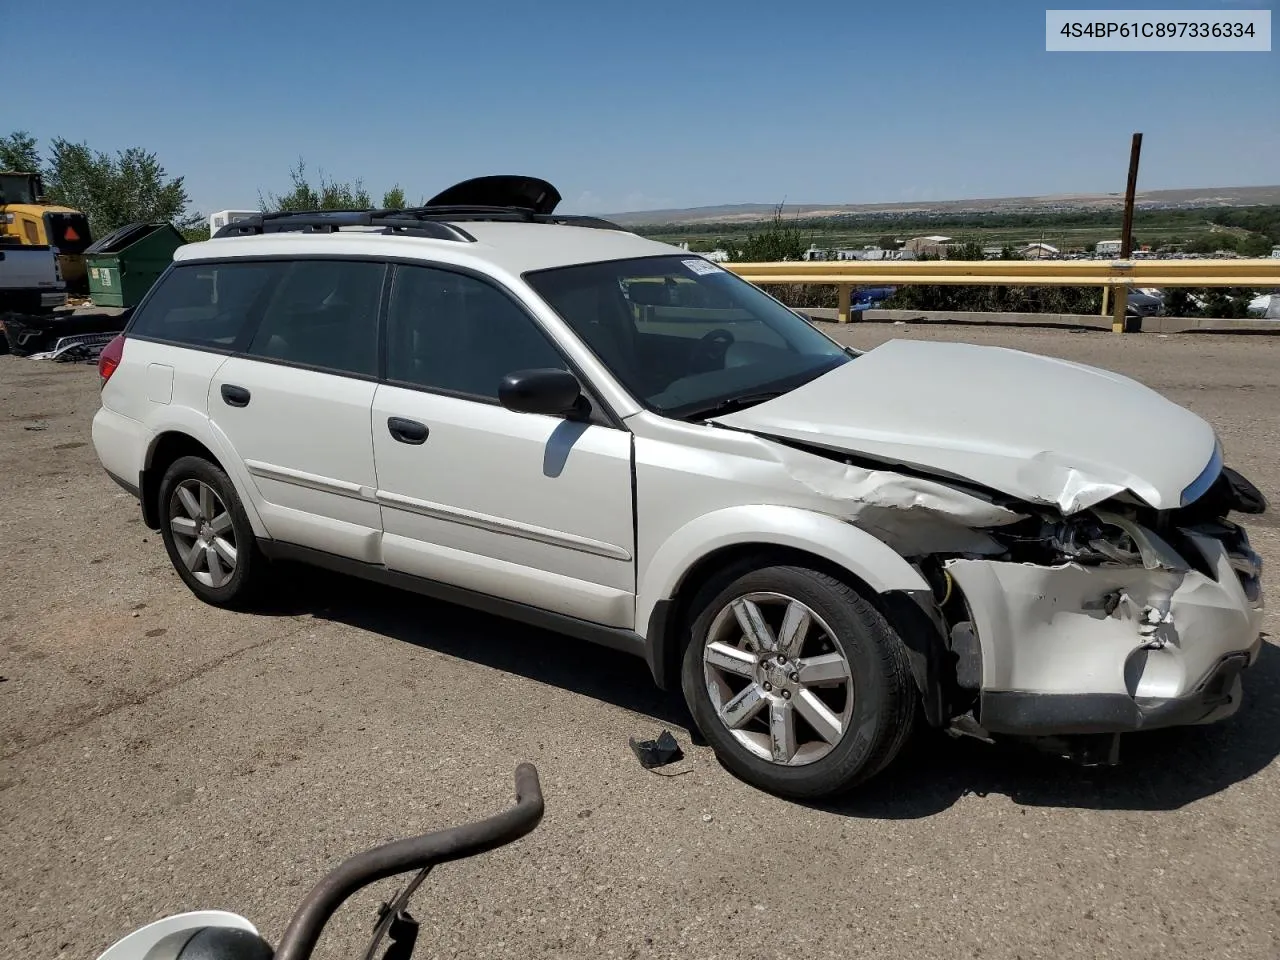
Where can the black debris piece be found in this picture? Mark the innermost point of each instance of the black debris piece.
(657, 753)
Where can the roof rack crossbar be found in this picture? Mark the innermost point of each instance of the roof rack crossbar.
(329, 221)
(434, 222)
(580, 220)
(518, 214)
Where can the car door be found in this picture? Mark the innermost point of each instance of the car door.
(530, 508)
(294, 403)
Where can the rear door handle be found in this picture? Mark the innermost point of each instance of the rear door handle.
(234, 396)
(407, 431)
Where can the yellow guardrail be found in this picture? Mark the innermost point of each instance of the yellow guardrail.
(1108, 274)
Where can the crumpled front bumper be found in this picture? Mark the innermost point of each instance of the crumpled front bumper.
(1072, 649)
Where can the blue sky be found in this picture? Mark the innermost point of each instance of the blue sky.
(640, 105)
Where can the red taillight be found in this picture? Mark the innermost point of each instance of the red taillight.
(110, 358)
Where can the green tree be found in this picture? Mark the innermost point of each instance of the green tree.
(328, 194)
(1211, 243)
(1230, 303)
(1255, 245)
(888, 242)
(969, 250)
(781, 239)
(394, 199)
(18, 153)
(1178, 303)
(112, 191)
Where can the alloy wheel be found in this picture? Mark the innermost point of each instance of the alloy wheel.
(203, 532)
(777, 678)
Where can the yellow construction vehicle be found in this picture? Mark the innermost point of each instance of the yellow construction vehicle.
(28, 218)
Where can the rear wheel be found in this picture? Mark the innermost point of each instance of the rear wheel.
(207, 534)
(797, 682)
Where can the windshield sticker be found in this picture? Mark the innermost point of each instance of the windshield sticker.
(701, 267)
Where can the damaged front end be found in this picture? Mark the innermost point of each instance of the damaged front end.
(1065, 629)
(1114, 619)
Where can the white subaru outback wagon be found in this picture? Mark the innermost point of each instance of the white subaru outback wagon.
(555, 419)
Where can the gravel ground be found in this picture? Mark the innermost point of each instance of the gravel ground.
(158, 755)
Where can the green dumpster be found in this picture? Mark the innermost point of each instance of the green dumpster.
(125, 263)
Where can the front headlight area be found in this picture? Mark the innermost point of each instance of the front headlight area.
(1088, 538)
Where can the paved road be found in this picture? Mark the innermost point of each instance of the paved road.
(158, 755)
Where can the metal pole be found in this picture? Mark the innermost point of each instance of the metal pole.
(842, 308)
(1121, 295)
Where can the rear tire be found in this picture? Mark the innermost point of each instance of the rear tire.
(207, 534)
(799, 684)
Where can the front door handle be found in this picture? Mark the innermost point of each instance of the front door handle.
(234, 396)
(407, 431)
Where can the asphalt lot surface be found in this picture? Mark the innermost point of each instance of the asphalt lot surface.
(158, 755)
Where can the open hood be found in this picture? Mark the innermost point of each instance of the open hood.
(1040, 429)
(503, 190)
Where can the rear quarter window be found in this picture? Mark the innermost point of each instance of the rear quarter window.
(205, 304)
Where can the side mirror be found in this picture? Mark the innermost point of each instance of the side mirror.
(550, 391)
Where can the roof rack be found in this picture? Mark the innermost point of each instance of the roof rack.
(437, 223)
(525, 200)
(517, 214)
(330, 221)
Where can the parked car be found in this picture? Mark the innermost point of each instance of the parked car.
(870, 298)
(30, 278)
(534, 414)
(1265, 306)
(1144, 305)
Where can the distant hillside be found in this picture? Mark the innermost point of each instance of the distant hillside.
(1149, 199)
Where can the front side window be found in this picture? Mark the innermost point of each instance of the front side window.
(687, 338)
(323, 313)
(205, 304)
(455, 333)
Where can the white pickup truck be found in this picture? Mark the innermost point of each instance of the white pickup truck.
(30, 279)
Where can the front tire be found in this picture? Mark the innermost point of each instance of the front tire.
(799, 684)
(207, 534)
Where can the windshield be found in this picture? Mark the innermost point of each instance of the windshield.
(685, 337)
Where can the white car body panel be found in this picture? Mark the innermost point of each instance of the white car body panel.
(305, 441)
(701, 488)
(131, 421)
(495, 577)
(503, 248)
(546, 497)
(979, 413)
(1042, 630)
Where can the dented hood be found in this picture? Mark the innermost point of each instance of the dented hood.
(1037, 428)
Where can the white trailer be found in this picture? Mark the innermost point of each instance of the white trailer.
(220, 219)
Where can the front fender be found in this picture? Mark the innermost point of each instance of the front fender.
(834, 540)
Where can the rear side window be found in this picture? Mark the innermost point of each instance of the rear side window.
(205, 304)
(323, 313)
